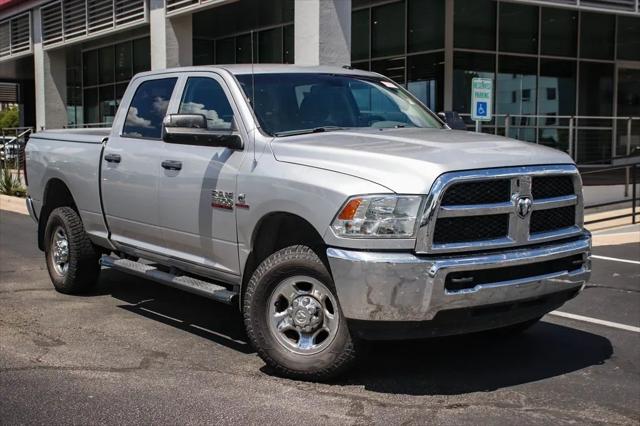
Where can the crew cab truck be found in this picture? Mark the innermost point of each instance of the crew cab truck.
(327, 203)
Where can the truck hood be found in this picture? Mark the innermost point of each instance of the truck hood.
(408, 160)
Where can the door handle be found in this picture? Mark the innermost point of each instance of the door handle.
(172, 165)
(112, 158)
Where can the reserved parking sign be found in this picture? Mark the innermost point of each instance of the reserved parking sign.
(481, 99)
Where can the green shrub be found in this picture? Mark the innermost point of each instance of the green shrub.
(10, 184)
(10, 117)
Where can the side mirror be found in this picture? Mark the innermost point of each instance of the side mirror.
(191, 129)
(453, 120)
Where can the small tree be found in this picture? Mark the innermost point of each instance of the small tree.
(9, 117)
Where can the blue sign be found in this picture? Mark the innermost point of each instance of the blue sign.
(481, 109)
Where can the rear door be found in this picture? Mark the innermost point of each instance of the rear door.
(197, 203)
(131, 165)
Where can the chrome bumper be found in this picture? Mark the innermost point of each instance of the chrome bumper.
(31, 209)
(378, 286)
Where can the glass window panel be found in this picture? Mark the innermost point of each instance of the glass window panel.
(141, 55)
(120, 89)
(244, 48)
(107, 104)
(597, 31)
(91, 110)
(629, 38)
(205, 96)
(148, 108)
(559, 32)
(203, 52)
(392, 68)
(90, 68)
(425, 79)
(553, 137)
(595, 92)
(516, 74)
(289, 46)
(362, 65)
(426, 25)
(270, 46)
(518, 28)
(124, 63)
(475, 24)
(107, 65)
(467, 66)
(360, 35)
(556, 90)
(225, 51)
(387, 29)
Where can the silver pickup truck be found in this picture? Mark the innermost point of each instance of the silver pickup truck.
(328, 204)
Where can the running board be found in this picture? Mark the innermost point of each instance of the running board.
(182, 282)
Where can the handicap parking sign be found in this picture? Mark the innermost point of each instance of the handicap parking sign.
(481, 99)
(481, 109)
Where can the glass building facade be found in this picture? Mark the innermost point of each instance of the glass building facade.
(547, 64)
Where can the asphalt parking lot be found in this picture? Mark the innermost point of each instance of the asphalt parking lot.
(134, 352)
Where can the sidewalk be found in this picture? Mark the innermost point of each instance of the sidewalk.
(13, 204)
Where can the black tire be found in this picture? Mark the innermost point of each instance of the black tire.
(289, 262)
(82, 267)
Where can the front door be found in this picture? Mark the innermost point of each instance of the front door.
(131, 167)
(197, 198)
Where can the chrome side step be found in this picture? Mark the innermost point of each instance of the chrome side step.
(182, 282)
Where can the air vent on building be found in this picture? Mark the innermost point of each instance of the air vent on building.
(177, 6)
(74, 19)
(15, 35)
(611, 4)
(8, 93)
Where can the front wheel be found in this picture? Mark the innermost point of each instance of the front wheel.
(293, 317)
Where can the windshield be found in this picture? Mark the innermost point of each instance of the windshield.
(293, 103)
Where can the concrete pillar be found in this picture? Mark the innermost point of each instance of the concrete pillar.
(323, 32)
(171, 38)
(50, 74)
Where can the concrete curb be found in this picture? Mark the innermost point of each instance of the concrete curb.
(13, 204)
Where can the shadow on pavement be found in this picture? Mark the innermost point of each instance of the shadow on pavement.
(479, 362)
(442, 366)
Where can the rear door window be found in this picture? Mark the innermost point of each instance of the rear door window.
(148, 108)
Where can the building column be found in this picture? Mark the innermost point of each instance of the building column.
(50, 75)
(171, 38)
(323, 32)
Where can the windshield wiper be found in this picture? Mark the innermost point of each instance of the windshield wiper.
(306, 131)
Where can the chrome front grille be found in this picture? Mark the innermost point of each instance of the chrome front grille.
(494, 208)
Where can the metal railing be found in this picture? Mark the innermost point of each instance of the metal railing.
(12, 145)
(632, 163)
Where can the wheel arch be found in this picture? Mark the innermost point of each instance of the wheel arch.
(277, 230)
(56, 194)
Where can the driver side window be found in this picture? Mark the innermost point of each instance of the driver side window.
(204, 95)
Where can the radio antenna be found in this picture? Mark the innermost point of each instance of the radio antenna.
(253, 101)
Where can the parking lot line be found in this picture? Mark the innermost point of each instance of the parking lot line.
(596, 321)
(615, 259)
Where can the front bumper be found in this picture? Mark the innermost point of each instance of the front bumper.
(403, 287)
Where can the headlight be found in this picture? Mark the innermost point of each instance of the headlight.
(378, 216)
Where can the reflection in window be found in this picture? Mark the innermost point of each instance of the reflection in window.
(519, 74)
(518, 28)
(206, 97)
(557, 88)
(360, 34)
(392, 68)
(467, 66)
(426, 79)
(270, 46)
(596, 92)
(148, 108)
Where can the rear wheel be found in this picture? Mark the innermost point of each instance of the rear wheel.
(72, 261)
(293, 317)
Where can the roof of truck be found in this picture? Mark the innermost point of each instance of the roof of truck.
(238, 69)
